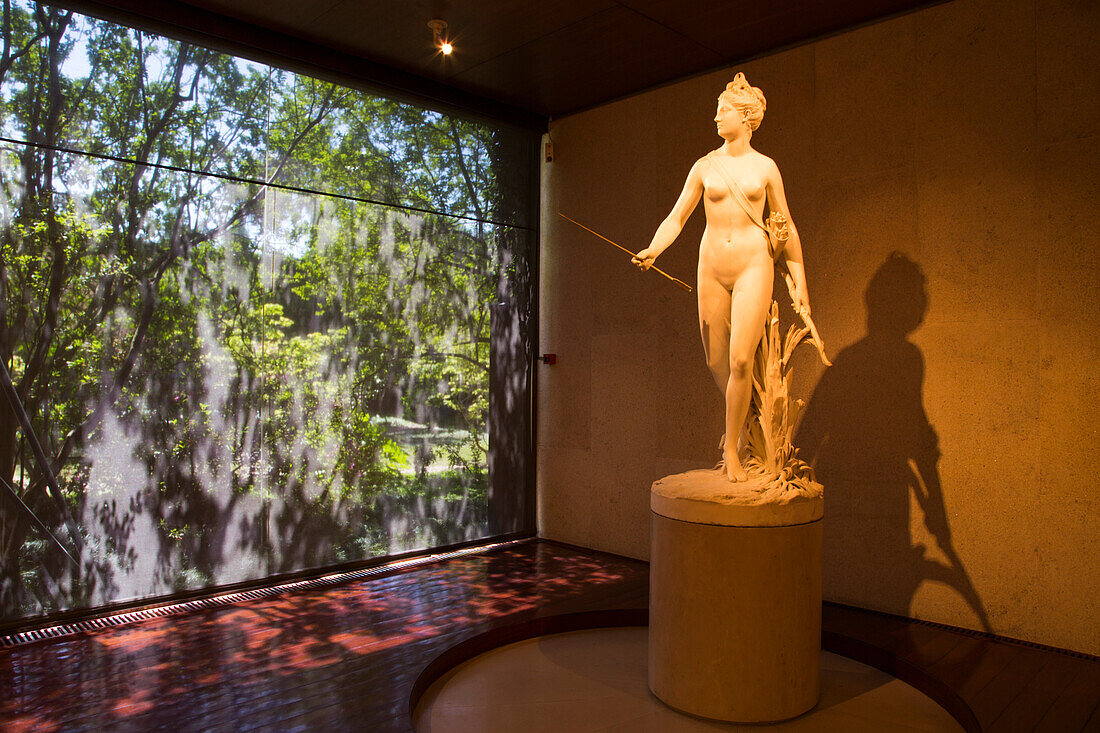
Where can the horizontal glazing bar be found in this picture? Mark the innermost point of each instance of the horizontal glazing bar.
(258, 182)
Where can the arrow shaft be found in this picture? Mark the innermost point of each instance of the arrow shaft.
(593, 231)
(679, 282)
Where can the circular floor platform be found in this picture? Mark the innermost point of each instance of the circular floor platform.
(595, 680)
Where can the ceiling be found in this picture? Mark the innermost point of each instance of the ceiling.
(524, 59)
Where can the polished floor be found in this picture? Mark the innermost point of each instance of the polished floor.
(595, 680)
(358, 654)
(327, 659)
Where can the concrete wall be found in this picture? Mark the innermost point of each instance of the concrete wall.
(964, 136)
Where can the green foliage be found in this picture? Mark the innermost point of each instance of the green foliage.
(221, 366)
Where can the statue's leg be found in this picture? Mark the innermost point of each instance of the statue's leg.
(714, 327)
(752, 297)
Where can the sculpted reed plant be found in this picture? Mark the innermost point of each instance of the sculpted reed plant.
(773, 414)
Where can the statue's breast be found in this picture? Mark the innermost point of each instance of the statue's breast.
(754, 189)
(715, 189)
(716, 184)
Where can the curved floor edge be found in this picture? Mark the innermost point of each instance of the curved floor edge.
(836, 643)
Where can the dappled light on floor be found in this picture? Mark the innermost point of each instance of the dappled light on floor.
(331, 655)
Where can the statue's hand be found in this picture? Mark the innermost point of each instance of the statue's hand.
(644, 259)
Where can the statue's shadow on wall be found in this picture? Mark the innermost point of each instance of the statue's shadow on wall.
(866, 433)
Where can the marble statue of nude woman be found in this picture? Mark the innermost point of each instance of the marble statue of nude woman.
(737, 256)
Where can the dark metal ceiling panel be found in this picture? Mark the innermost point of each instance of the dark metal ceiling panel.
(741, 29)
(536, 57)
(588, 62)
(717, 24)
(280, 15)
(480, 30)
(231, 35)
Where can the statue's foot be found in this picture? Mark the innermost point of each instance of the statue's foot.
(734, 471)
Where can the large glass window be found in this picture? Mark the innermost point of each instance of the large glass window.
(253, 322)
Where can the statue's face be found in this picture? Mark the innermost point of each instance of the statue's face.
(729, 119)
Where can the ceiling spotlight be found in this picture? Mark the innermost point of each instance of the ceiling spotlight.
(439, 30)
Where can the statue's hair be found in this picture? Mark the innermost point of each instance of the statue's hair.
(749, 99)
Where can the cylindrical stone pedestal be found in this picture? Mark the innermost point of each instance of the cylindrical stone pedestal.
(735, 600)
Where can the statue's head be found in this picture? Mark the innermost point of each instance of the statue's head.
(746, 99)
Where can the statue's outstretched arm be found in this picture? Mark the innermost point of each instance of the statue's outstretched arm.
(673, 224)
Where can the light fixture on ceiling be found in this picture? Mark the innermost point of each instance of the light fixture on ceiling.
(439, 35)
